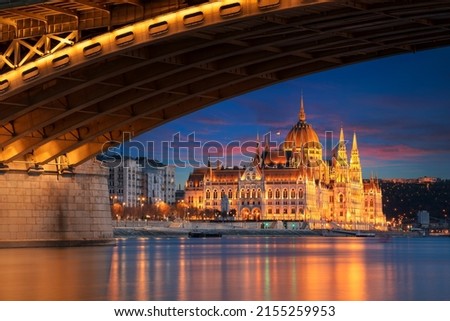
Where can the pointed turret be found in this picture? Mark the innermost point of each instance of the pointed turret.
(342, 150)
(265, 159)
(354, 153)
(355, 143)
(355, 164)
(258, 146)
(257, 157)
(301, 114)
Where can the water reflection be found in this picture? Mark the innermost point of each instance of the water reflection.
(262, 268)
(54, 273)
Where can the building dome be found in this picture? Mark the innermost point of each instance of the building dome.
(302, 134)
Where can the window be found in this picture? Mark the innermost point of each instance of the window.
(242, 193)
(215, 194)
(277, 193)
(371, 203)
(230, 194)
(253, 193)
(277, 211)
(284, 210)
(269, 211)
(222, 193)
(341, 198)
(247, 193)
(285, 193)
(258, 193)
(292, 210)
(300, 193)
(269, 194)
(292, 193)
(208, 194)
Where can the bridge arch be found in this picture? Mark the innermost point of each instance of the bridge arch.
(85, 97)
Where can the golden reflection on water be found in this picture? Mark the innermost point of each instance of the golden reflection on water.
(269, 271)
(52, 274)
(230, 269)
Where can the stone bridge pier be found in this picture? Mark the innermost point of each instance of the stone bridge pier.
(50, 208)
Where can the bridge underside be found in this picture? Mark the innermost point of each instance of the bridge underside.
(66, 108)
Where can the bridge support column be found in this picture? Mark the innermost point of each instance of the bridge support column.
(51, 209)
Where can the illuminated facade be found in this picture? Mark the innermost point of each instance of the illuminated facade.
(293, 182)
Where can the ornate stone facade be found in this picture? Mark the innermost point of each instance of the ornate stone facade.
(295, 183)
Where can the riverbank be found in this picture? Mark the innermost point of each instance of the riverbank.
(182, 229)
(184, 232)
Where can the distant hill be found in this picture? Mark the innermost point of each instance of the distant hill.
(407, 198)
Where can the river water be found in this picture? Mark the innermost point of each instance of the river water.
(232, 268)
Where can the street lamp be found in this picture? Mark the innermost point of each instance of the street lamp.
(141, 200)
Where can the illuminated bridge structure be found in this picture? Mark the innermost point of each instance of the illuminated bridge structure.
(76, 75)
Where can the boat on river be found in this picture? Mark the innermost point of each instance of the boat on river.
(204, 234)
(364, 234)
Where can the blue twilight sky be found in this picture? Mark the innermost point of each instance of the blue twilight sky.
(399, 108)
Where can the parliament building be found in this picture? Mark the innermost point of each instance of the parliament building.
(293, 183)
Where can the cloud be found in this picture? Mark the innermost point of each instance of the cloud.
(395, 152)
(213, 121)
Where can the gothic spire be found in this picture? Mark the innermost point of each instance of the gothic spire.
(301, 114)
(342, 150)
(256, 158)
(258, 147)
(355, 164)
(355, 144)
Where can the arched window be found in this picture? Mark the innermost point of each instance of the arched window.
(230, 194)
(242, 193)
(208, 194)
(253, 193)
(215, 194)
(191, 184)
(258, 193)
(277, 193)
(285, 193)
(222, 193)
(341, 198)
(269, 194)
(301, 194)
(371, 203)
(247, 193)
(292, 193)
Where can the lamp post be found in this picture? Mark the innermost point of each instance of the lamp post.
(141, 200)
(124, 213)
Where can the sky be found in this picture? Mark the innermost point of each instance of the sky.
(398, 106)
